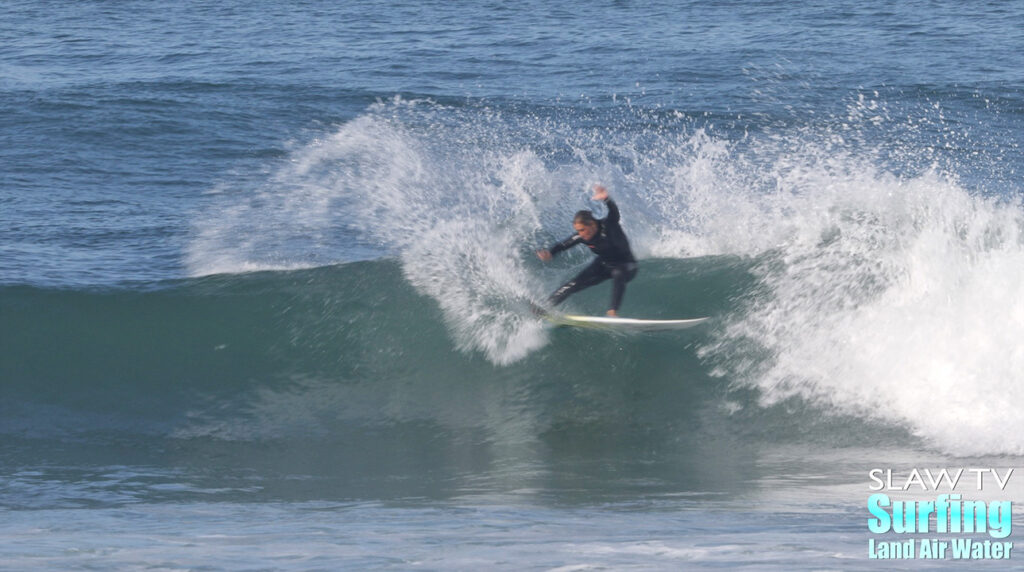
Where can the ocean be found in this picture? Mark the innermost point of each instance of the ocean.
(266, 273)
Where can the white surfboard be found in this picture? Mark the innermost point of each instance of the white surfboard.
(622, 324)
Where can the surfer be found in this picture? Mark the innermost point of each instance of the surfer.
(605, 239)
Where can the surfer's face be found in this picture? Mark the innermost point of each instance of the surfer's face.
(586, 231)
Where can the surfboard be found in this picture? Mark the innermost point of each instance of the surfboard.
(622, 324)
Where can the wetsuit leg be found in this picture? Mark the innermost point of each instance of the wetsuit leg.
(620, 275)
(595, 273)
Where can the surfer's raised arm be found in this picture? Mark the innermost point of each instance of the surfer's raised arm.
(601, 194)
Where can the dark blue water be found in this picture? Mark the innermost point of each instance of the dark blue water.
(265, 272)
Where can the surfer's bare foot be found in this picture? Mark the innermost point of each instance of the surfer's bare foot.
(613, 314)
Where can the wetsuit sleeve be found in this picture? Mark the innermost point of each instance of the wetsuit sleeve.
(613, 212)
(565, 244)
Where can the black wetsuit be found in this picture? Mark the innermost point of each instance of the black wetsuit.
(614, 259)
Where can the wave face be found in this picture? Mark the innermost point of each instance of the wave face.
(298, 354)
(856, 335)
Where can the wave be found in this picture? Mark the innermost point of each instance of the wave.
(857, 266)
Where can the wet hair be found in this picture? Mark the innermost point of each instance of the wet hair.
(585, 217)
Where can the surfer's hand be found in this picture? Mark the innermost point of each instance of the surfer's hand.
(544, 255)
(600, 193)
